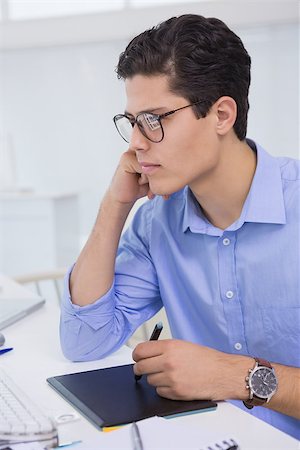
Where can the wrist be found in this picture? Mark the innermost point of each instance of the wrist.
(113, 211)
(114, 201)
(111, 218)
(237, 367)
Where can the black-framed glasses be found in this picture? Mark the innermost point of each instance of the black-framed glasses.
(149, 124)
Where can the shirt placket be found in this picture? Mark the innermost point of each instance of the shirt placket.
(229, 293)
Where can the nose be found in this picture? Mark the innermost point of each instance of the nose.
(138, 142)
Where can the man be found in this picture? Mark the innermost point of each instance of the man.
(217, 244)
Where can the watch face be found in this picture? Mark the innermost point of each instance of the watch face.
(263, 382)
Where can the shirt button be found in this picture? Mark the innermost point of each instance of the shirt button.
(238, 346)
(229, 294)
(226, 241)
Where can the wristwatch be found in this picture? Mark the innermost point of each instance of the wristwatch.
(261, 382)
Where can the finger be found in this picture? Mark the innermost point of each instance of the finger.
(157, 380)
(167, 392)
(147, 349)
(131, 163)
(148, 366)
(143, 179)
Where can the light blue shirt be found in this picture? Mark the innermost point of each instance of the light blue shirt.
(236, 290)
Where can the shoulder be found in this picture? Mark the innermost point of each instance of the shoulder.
(290, 176)
(290, 169)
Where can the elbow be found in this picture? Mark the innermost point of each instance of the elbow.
(71, 342)
(71, 353)
(82, 354)
(80, 345)
(79, 353)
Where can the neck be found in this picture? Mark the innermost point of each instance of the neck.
(223, 193)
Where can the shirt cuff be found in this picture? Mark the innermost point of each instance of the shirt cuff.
(95, 314)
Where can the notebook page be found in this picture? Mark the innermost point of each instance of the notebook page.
(157, 433)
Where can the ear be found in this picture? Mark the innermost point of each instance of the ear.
(226, 112)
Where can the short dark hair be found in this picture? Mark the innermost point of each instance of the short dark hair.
(203, 58)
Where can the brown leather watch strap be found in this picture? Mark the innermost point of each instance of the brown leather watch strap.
(263, 362)
(254, 401)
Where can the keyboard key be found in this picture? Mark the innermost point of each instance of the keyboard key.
(20, 419)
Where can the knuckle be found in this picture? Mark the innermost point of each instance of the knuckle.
(150, 380)
(170, 344)
(176, 389)
(169, 364)
(161, 391)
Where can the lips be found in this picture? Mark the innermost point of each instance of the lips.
(149, 168)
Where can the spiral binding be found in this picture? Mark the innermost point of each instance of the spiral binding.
(228, 444)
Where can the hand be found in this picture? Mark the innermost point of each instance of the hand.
(129, 183)
(181, 370)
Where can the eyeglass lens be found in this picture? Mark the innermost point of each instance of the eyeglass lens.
(124, 127)
(148, 124)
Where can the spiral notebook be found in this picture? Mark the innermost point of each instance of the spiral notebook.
(157, 433)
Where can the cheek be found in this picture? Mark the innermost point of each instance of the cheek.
(193, 152)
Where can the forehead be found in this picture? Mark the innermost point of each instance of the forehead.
(148, 92)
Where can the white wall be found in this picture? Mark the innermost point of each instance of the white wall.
(274, 92)
(58, 104)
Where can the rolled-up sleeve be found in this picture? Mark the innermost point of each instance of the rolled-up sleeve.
(98, 329)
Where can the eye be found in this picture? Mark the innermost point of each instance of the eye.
(152, 121)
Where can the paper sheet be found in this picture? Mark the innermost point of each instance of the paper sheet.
(26, 446)
(157, 434)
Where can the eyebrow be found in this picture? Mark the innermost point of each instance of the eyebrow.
(149, 110)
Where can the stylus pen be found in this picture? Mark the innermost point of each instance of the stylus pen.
(5, 350)
(154, 336)
(136, 437)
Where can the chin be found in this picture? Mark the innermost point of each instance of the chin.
(165, 190)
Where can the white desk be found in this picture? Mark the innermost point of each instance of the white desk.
(37, 356)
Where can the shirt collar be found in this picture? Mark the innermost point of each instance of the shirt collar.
(264, 203)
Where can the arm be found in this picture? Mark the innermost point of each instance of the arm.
(104, 302)
(93, 273)
(182, 370)
(287, 398)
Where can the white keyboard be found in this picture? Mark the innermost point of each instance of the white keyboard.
(20, 419)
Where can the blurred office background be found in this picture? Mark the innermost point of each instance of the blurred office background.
(59, 92)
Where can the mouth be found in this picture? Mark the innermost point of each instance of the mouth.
(149, 168)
